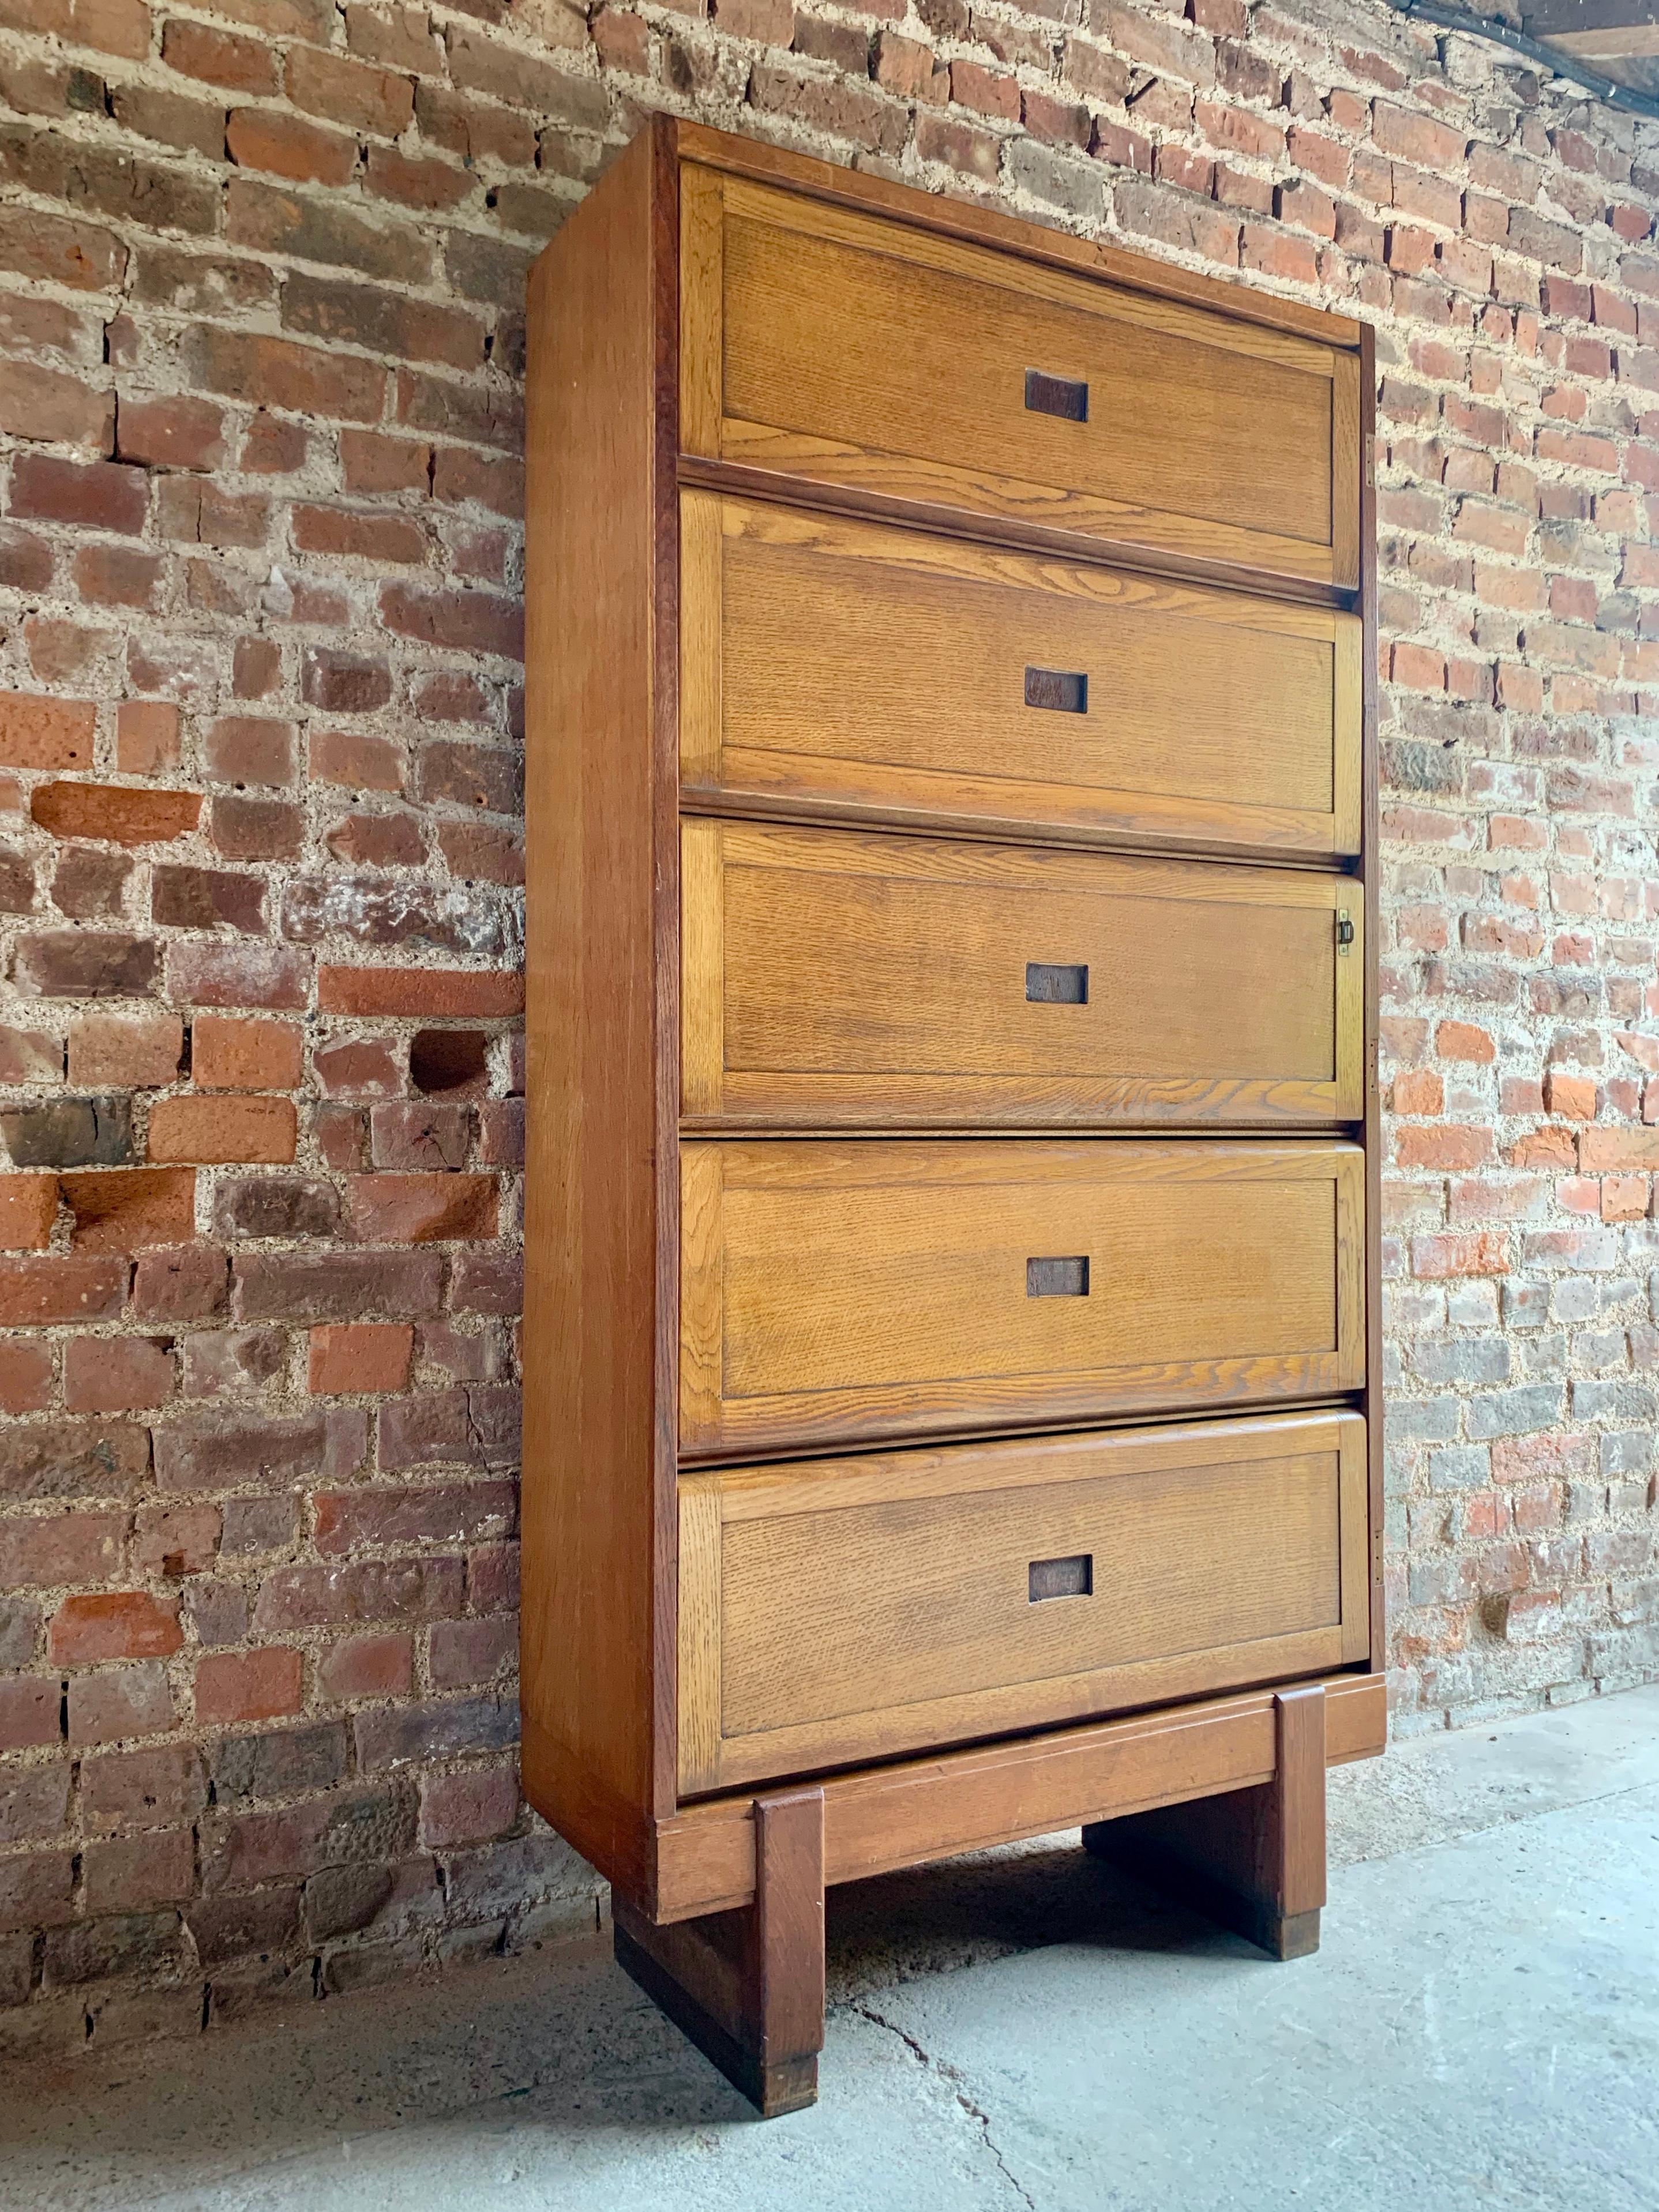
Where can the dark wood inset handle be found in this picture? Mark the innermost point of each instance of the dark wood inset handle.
(1056, 395)
(1049, 985)
(1073, 1577)
(1057, 1278)
(1061, 690)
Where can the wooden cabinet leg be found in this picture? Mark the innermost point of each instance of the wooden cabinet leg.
(1253, 1859)
(747, 1986)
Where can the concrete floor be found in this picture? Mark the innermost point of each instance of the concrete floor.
(1023, 2028)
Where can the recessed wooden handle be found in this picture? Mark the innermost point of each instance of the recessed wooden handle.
(1070, 1577)
(1056, 395)
(1058, 1279)
(1050, 984)
(1061, 691)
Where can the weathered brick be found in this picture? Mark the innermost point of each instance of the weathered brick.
(359, 1357)
(248, 1686)
(224, 1450)
(127, 1209)
(114, 811)
(114, 1625)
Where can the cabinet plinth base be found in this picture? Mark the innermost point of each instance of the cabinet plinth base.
(1252, 1859)
(747, 1985)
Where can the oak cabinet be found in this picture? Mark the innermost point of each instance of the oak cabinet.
(951, 1309)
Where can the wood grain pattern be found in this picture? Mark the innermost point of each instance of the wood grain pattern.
(880, 1818)
(858, 1291)
(594, 1335)
(1031, 240)
(747, 1985)
(869, 1605)
(833, 661)
(811, 579)
(834, 977)
(1254, 1858)
(1371, 1133)
(895, 361)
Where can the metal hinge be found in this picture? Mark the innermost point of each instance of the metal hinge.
(1344, 929)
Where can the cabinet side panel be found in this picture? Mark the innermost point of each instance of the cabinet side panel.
(1370, 865)
(591, 1230)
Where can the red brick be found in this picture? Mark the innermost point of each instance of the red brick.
(44, 403)
(115, 812)
(120, 1701)
(115, 1374)
(26, 1376)
(129, 1873)
(273, 373)
(371, 462)
(462, 1652)
(248, 1686)
(114, 1625)
(238, 975)
(341, 533)
(183, 1282)
(176, 1540)
(250, 749)
(35, 1293)
(147, 737)
(1483, 1252)
(223, 1129)
(118, 576)
(1605, 1149)
(45, 734)
(1625, 1198)
(1571, 1097)
(418, 1209)
(420, 992)
(28, 1207)
(349, 92)
(1464, 1040)
(141, 1049)
(431, 186)
(49, 1550)
(458, 621)
(86, 495)
(30, 1716)
(359, 1067)
(374, 1514)
(128, 1209)
(362, 1356)
(1445, 1147)
(228, 1053)
(469, 1807)
(374, 1666)
(283, 146)
(218, 57)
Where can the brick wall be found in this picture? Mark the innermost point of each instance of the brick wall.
(261, 266)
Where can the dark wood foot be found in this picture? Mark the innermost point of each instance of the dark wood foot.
(747, 1986)
(1252, 1859)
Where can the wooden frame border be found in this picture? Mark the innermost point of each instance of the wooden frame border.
(1028, 237)
(883, 1818)
(715, 1100)
(709, 1503)
(1287, 837)
(714, 1430)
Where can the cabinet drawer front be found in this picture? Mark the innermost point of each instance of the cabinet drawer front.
(844, 1609)
(837, 663)
(850, 351)
(834, 1293)
(834, 977)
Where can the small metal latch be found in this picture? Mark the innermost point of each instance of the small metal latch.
(1344, 929)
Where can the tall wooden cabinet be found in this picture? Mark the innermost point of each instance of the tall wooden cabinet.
(950, 1324)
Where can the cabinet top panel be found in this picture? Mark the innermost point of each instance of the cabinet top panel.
(1034, 240)
(842, 349)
